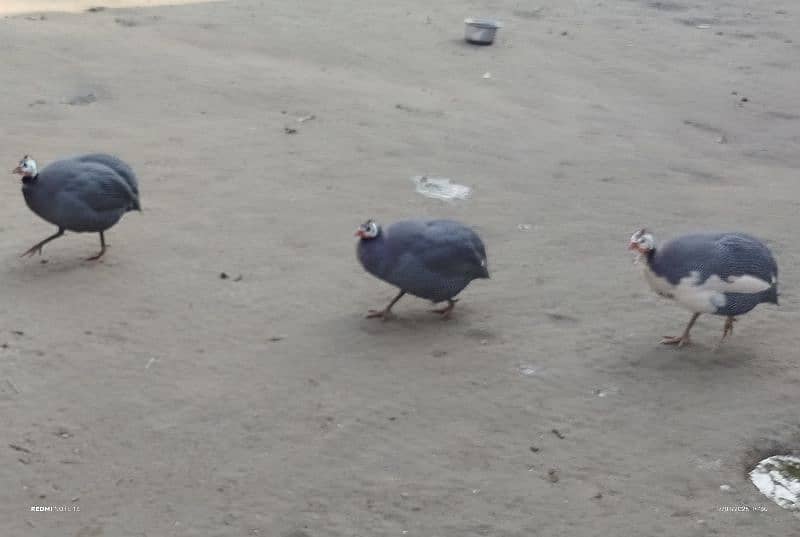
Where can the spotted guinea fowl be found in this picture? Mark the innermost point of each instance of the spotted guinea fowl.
(86, 193)
(431, 259)
(719, 273)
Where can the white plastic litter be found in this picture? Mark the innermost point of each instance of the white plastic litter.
(778, 478)
(440, 188)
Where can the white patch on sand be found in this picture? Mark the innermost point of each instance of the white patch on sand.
(440, 188)
(776, 478)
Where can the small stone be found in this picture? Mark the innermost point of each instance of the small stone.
(725, 488)
(552, 475)
(223, 276)
(535, 449)
(745, 99)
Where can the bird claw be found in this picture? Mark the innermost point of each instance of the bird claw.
(34, 250)
(680, 341)
(384, 315)
(445, 311)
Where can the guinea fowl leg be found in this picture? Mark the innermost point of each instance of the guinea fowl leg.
(445, 311)
(683, 339)
(725, 331)
(38, 246)
(102, 249)
(385, 312)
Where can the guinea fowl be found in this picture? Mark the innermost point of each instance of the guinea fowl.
(431, 259)
(86, 193)
(719, 273)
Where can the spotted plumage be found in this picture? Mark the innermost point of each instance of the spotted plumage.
(86, 193)
(430, 259)
(725, 274)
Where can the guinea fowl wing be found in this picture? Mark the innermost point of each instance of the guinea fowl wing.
(450, 250)
(742, 255)
(100, 188)
(726, 263)
(120, 167)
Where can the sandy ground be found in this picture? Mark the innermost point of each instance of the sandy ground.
(161, 400)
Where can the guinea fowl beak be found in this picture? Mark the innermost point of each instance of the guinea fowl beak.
(633, 246)
(16, 170)
(358, 233)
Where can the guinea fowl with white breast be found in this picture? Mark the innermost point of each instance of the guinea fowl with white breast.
(725, 274)
(431, 259)
(86, 193)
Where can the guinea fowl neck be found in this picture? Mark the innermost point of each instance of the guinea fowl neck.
(370, 251)
(29, 179)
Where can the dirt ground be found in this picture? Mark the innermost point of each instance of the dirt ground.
(162, 400)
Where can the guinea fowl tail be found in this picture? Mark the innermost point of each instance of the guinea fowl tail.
(772, 296)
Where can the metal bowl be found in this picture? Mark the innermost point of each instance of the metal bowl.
(480, 31)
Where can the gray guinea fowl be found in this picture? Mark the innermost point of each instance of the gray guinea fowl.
(86, 193)
(719, 273)
(430, 259)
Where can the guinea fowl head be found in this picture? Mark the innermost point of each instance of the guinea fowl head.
(368, 230)
(642, 241)
(26, 167)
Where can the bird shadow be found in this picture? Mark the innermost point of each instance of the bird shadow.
(697, 361)
(26, 268)
(420, 322)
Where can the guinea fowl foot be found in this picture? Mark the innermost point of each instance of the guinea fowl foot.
(98, 256)
(680, 341)
(37, 248)
(445, 311)
(683, 339)
(725, 331)
(102, 249)
(384, 314)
